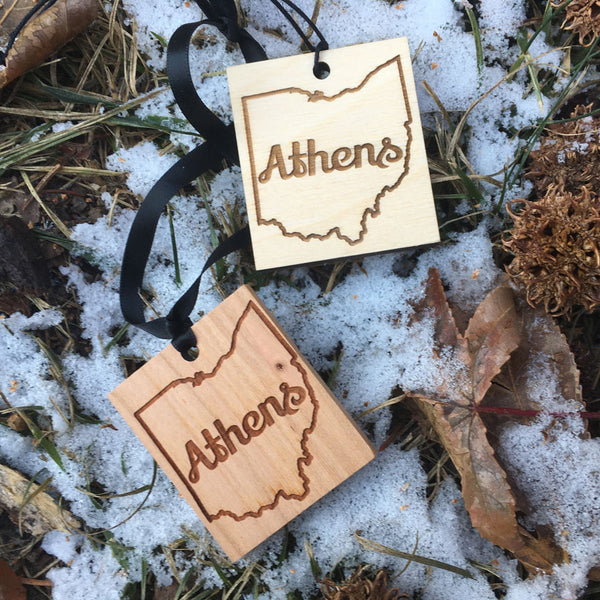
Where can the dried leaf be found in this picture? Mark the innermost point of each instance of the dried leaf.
(556, 246)
(16, 422)
(583, 18)
(594, 574)
(492, 335)
(21, 205)
(45, 33)
(37, 516)
(11, 13)
(11, 587)
(446, 332)
(540, 337)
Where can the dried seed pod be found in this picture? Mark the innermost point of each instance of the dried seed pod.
(556, 247)
(361, 587)
(569, 155)
(583, 18)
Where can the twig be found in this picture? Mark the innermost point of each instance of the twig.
(51, 214)
(521, 412)
(314, 17)
(49, 174)
(36, 582)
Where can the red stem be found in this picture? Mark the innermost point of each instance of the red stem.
(519, 412)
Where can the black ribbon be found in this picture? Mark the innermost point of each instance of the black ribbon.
(320, 70)
(219, 148)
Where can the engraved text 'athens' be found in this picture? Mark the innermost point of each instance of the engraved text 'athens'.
(218, 448)
(313, 161)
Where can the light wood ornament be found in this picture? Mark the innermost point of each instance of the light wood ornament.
(332, 167)
(248, 432)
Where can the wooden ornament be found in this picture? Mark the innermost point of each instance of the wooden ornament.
(248, 432)
(332, 167)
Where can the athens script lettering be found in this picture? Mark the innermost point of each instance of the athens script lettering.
(218, 448)
(311, 161)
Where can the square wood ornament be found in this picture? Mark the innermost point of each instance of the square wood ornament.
(248, 432)
(332, 167)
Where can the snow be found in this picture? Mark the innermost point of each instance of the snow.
(369, 312)
(98, 569)
(58, 127)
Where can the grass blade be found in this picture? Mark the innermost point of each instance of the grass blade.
(430, 562)
(144, 579)
(24, 151)
(43, 440)
(174, 244)
(314, 565)
(51, 215)
(477, 38)
(471, 188)
(117, 337)
(151, 122)
(182, 584)
(71, 96)
(220, 266)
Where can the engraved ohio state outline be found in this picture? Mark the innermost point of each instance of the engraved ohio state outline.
(374, 210)
(196, 381)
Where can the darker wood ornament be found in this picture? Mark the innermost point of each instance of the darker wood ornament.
(248, 432)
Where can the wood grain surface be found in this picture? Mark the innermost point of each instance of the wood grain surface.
(332, 167)
(248, 431)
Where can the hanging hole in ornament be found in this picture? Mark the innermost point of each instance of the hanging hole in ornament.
(190, 354)
(321, 70)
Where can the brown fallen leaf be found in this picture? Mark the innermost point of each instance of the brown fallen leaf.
(540, 338)
(40, 514)
(11, 587)
(21, 205)
(11, 14)
(43, 34)
(492, 334)
(16, 422)
(594, 574)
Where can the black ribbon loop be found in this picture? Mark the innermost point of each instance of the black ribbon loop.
(320, 69)
(219, 147)
(196, 112)
(208, 125)
(141, 236)
(219, 10)
(322, 45)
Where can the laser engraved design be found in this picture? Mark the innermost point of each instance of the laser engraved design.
(220, 447)
(305, 163)
(240, 440)
(283, 171)
(248, 432)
